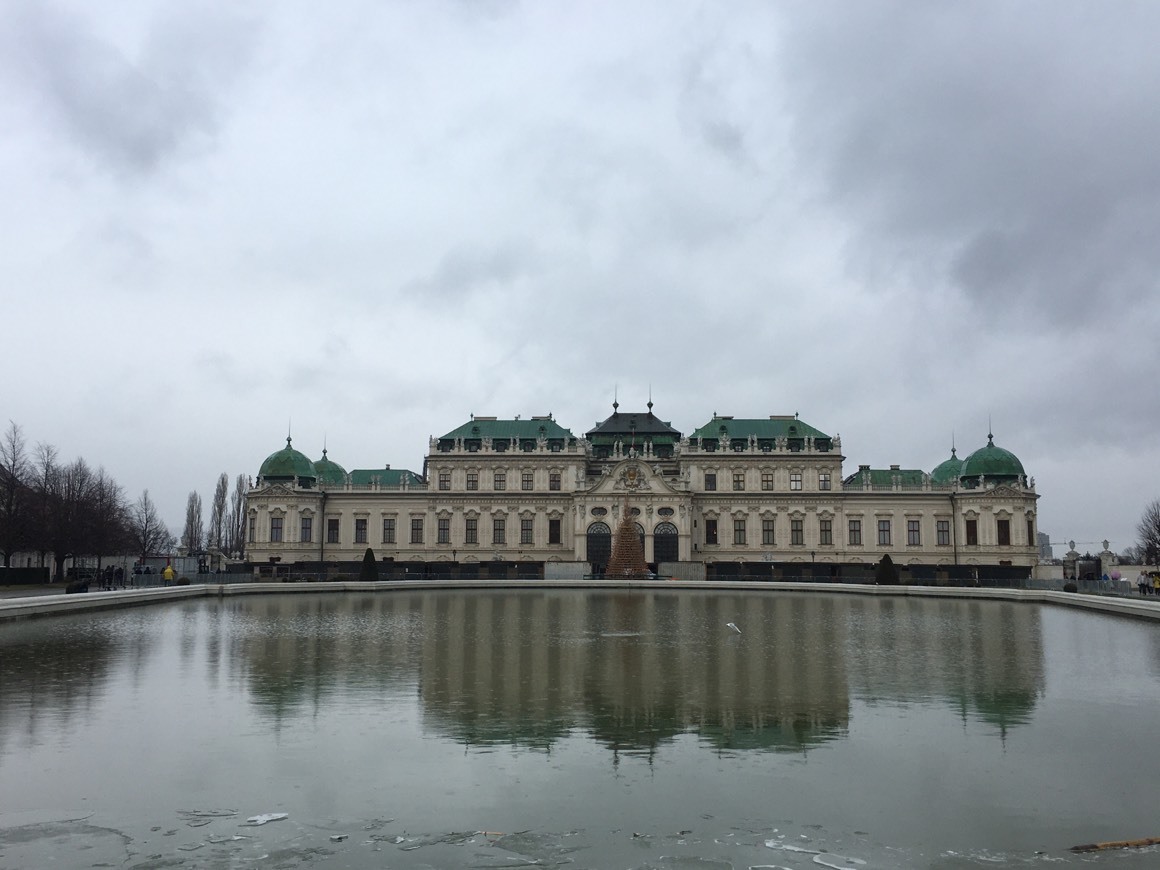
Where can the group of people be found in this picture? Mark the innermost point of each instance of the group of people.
(1148, 584)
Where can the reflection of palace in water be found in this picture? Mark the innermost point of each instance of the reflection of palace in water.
(635, 669)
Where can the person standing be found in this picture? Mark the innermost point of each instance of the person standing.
(1142, 583)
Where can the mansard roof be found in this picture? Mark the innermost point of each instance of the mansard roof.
(762, 428)
(883, 478)
(531, 428)
(384, 477)
(629, 423)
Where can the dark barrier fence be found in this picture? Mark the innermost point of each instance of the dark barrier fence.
(21, 576)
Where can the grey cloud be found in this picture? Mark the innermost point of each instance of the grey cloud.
(1010, 147)
(464, 269)
(130, 113)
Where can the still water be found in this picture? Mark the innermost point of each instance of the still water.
(601, 729)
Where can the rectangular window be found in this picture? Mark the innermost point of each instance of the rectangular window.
(942, 530)
(826, 533)
(710, 531)
(823, 480)
(276, 529)
(710, 481)
(253, 529)
(445, 480)
(471, 531)
(554, 532)
(797, 532)
(795, 481)
(332, 530)
(360, 531)
(1003, 532)
(306, 531)
(554, 481)
(388, 530)
(738, 481)
(498, 531)
(499, 481)
(767, 480)
(884, 533)
(416, 530)
(473, 480)
(855, 533)
(1030, 533)
(526, 531)
(767, 534)
(913, 535)
(443, 530)
(972, 533)
(526, 480)
(739, 532)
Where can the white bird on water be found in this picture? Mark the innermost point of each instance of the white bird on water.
(733, 626)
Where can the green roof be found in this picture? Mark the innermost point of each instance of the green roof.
(883, 478)
(504, 430)
(992, 461)
(948, 470)
(384, 477)
(287, 464)
(329, 472)
(760, 428)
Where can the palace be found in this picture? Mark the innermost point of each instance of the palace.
(765, 498)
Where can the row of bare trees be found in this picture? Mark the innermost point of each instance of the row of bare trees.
(64, 510)
(226, 530)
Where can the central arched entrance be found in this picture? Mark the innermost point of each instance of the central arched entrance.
(599, 542)
(666, 544)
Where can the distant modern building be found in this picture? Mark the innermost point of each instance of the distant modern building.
(1045, 552)
(763, 497)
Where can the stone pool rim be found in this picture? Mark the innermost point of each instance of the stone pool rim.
(54, 605)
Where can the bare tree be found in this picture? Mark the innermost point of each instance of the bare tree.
(215, 534)
(44, 483)
(237, 517)
(109, 518)
(194, 533)
(146, 529)
(15, 470)
(69, 514)
(1148, 530)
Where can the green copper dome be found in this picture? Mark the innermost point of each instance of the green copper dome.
(329, 473)
(948, 470)
(992, 462)
(288, 465)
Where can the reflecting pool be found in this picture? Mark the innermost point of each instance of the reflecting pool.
(601, 729)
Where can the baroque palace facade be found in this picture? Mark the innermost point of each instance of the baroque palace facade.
(763, 497)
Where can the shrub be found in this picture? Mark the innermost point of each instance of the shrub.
(182, 581)
(886, 574)
(1070, 587)
(76, 586)
(370, 568)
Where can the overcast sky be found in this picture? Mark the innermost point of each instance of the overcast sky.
(368, 220)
